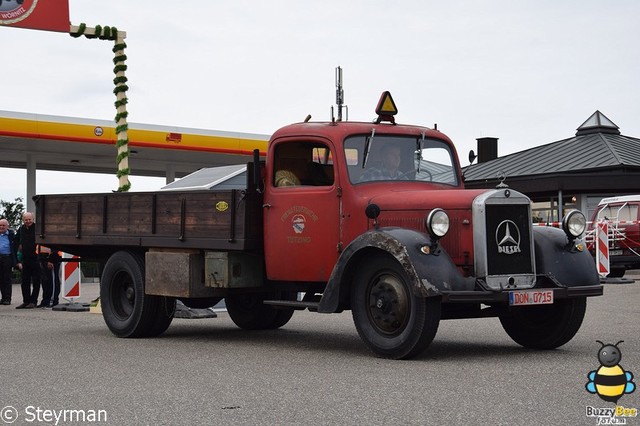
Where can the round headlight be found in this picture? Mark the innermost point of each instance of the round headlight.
(574, 224)
(437, 223)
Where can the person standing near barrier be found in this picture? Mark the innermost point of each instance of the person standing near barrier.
(28, 264)
(50, 277)
(8, 260)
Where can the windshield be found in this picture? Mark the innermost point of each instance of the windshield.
(406, 158)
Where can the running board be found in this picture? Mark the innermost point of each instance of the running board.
(298, 306)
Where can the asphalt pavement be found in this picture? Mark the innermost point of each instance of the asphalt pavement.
(56, 367)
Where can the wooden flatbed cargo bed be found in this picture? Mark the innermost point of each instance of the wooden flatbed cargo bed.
(94, 225)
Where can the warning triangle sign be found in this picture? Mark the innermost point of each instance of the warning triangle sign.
(386, 106)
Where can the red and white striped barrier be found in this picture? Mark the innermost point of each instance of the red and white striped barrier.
(70, 272)
(614, 222)
(602, 248)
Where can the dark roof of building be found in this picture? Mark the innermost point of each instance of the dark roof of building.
(597, 145)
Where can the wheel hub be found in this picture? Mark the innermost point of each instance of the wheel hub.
(389, 304)
(129, 293)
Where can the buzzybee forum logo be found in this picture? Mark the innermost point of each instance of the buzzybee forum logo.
(610, 382)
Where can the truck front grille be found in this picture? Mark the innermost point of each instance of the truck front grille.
(503, 243)
(508, 240)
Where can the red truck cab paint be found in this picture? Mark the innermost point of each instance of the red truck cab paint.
(324, 212)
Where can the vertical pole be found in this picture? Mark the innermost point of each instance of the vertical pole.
(339, 92)
(31, 183)
(122, 144)
(170, 174)
(559, 205)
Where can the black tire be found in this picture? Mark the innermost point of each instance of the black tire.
(248, 312)
(545, 326)
(392, 321)
(283, 315)
(126, 310)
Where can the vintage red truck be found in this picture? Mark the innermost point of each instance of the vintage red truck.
(325, 224)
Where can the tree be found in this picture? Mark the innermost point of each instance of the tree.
(12, 211)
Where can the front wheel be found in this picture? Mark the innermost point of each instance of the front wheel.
(392, 321)
(545, 326)
(127, 311)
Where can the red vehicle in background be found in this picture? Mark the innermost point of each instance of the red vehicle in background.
(623, 215)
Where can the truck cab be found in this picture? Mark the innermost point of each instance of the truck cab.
(339, 170)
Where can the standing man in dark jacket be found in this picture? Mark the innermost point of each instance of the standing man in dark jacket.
(29, 264)
(50, 276)
(8, 260)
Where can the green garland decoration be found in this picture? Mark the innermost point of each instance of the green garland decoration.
(119, 68)
(122, 144)
(122, 128)
(121, 156)
(103, 33)
(119, 46)
(120, 115)
(119, 58)
(123, 172)
(120, 88)
(121, 79)
(81, 29)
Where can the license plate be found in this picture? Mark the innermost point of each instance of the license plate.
(531, 297)
(615, 252)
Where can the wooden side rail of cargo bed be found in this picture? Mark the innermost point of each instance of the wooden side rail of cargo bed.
(216, 220)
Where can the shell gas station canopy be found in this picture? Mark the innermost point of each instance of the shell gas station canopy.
(45, 142)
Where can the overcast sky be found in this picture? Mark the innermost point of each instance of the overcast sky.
(527, 72)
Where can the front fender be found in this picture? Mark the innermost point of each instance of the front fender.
(429, 274)
(561, 261)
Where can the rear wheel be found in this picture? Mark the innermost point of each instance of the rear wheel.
(249, 312)
(127, 311)
(390, 319)
(545, 326)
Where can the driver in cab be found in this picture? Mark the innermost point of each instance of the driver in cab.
(389, 168)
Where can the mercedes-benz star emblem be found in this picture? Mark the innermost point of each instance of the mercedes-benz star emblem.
(508, 237)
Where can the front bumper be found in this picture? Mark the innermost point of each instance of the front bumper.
(492, 297)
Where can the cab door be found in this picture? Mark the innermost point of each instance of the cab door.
(301, 211)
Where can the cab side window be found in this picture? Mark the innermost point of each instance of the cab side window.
(303, 163)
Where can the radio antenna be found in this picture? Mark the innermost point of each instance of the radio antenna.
(339, 92)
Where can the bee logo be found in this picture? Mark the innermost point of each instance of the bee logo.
(610, 381)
